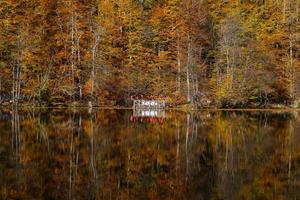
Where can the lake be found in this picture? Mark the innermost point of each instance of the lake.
(116, 154)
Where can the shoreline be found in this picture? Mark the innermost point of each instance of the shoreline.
(183, 109)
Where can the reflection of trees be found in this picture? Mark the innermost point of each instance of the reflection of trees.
(254, 155)
(15, 124)
(100, 155)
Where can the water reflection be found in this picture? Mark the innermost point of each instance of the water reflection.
(101, 154)
(148, 115)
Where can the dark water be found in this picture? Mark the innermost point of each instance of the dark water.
(109, 154)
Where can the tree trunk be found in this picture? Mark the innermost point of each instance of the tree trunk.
(292, 70)
(94, 56)
(297, 11)
(187, 69)
(93, 70)
(14, 83)
(19, 82)
(228, 84)
(178, 64)
(73, 52)
(284, 10)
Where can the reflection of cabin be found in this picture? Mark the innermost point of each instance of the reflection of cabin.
(148, 104)
(148, 113)
(149, 116)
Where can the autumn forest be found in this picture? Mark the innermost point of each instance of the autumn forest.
(205, 53)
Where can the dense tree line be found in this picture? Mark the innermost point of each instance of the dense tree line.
(232, 53)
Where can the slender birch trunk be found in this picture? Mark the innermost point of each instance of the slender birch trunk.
(19, 82)
(14, 85)
(297, 10)
(227, 67)
(73, 51)
(178, 64)
(94, 55)
(187, 69)
(292, 70)
(284, 10)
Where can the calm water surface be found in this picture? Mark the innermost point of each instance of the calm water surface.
(111, 154)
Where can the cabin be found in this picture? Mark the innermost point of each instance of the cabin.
(149, 104)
